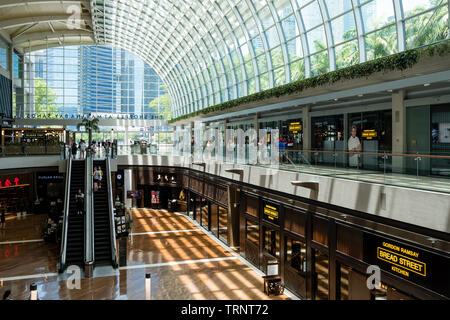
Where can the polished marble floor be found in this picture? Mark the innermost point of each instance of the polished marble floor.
(185, 263)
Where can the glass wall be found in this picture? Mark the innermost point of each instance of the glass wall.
(440, 139)
(229, 49)
(4, 61)
(102, 81)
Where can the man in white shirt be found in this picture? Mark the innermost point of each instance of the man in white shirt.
(354, 145)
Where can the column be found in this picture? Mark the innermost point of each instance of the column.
(307, 130)
(128, 186)
(233, 216)
(398, 130)
(346, 136)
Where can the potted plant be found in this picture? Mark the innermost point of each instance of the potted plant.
(90, 125)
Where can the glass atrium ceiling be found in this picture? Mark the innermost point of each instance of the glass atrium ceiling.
(210, 51)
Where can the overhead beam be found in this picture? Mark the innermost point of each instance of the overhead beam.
(17, 3)
(57, 45)
(14, 23)
(36, 36)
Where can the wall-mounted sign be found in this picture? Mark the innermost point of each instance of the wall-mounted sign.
(271, 212)
(295, 127)
(134, 194)
(15, 180)
(369, 134)
(50, 177)
(414, 264)
(155, 197)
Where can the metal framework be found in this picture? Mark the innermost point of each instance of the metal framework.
(210, 51)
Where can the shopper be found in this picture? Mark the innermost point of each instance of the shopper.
(79, 197)
(100, 174)
(82, 149)
(74, 150)
(96, 176)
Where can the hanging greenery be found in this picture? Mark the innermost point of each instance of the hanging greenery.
(397, 62)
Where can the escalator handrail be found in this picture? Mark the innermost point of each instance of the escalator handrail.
(66, 215)
(89, 234)
(111, 213)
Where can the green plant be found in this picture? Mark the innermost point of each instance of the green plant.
(397, 62)
(128, 224)
(91, 125)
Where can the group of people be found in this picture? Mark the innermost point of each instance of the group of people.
(99, 148)
(79, 196)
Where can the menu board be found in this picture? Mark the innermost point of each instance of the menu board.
(369, 134)
(295, 127)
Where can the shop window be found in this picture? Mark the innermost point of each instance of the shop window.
(205, 218)
(214, 219)
(296, 254)
(320, 276)
(344, 282)
(252, 206)
(223, 224)
(294, 221)
(252, 232)
(271, 240)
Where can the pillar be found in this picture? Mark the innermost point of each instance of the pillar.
(233, 216)
(398, 130)
(307, 131)
(128, 186)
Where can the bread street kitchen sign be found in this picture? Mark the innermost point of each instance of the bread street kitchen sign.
(417, 265)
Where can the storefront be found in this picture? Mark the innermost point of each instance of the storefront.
(320, 255)
(16, 192)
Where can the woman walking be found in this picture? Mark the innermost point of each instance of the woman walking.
(96, 176)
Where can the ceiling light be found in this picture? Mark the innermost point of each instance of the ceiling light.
(360, 95)
(427, 85)
(390, 90)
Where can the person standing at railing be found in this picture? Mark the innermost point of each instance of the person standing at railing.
(354, 146)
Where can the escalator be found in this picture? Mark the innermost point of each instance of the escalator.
(102, 223)
(75, 225)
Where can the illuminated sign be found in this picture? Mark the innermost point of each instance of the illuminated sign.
(419, 266)
(14, 181)
(369, 134)
(404, 262)
(295, 127)
(271, 213)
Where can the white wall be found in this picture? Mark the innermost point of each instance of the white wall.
(422, 208)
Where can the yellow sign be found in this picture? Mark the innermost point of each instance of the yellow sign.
(271, 212)
(369, 134)
(401, 263)
(295, 127)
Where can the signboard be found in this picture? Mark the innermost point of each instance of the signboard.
(14, 180)
(155, 197)
(271, 212)
(295, 127)
(50, 177)
(369, 134)
(414, 264)
(134, 194)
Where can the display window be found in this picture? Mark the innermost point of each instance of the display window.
(271, 241)
(320, 276)
(296, 254)
(252, 232)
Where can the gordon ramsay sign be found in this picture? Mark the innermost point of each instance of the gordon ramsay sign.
(420, 266)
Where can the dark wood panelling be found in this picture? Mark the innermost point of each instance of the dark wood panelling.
(350, 241)
(320, 230)
(294, 221)
(294, 281)
(252, 253)
(252, 206)
(222, 195)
